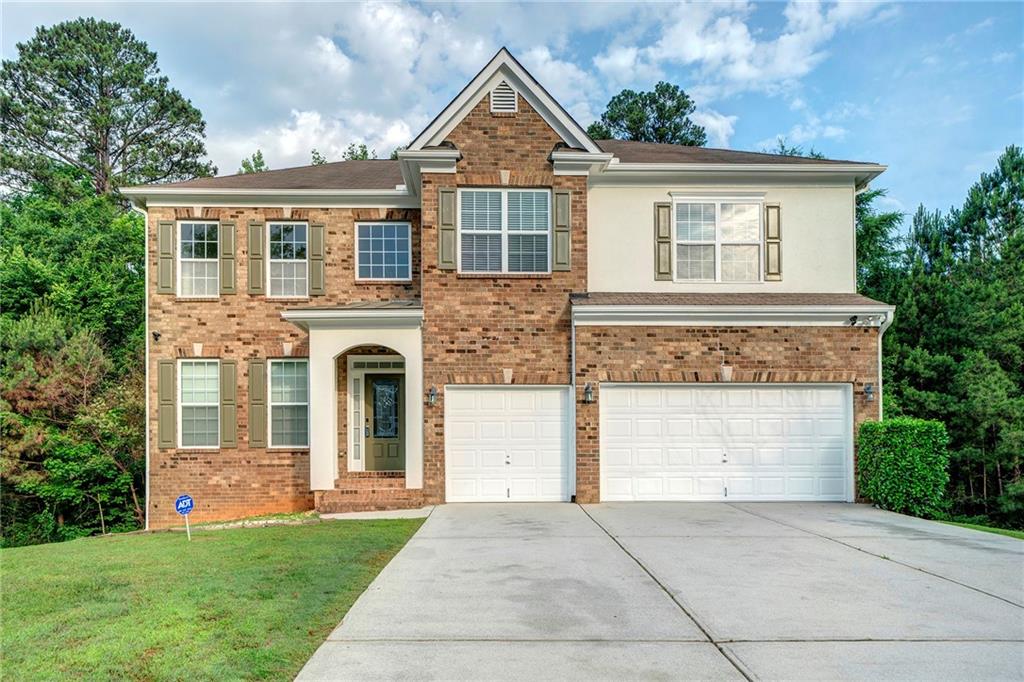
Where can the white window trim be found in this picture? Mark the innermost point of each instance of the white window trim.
(718, 241)
(288, 260)
(179, 260)
(504, 230)
(181, 402)
(407, 225)
(271, 404)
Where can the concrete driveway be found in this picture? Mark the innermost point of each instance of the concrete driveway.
(686, 591)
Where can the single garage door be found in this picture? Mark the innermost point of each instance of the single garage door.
(505, 444)
(742, 442)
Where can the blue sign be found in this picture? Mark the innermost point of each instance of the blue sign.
(184, 504)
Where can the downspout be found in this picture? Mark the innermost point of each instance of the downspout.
(881, 333)
(572, 397)
(145, 270)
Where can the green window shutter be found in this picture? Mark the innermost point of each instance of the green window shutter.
(226, 232)
(560, 257)
(257, 403)
(167, 413)
(257, 260)
(663, 241)
(228, 404)
(446, 230)
(772, 242)
(317, 283)
(165, 255)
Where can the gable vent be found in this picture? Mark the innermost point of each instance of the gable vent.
(504, 99)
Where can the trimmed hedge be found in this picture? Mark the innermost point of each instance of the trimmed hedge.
(903, 465)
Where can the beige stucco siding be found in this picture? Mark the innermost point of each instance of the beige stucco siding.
(818, 239)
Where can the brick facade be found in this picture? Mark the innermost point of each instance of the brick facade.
(476, 326)
(695, 354)
(243, 481)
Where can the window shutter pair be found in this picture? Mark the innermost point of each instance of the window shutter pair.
(663, 242)
(446, 231)
(167, 404)
(257, 266)
(166, 253)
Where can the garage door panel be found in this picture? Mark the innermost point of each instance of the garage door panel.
(506, 444)
(669, 442)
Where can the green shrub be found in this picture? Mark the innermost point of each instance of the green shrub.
(903, 465)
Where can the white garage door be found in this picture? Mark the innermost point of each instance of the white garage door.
(689, 442)
(506, 444)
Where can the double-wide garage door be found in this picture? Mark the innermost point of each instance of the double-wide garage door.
(506, 444)
(692, 442)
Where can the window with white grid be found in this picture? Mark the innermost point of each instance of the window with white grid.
(289, 266)
(199, 403)
(199, 272)
(505, 231)
(383, 251)
(718, 240)
(289, 403)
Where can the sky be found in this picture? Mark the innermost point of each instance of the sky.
(934, 90)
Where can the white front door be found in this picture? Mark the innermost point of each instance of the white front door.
(736, 442)
(506, 444)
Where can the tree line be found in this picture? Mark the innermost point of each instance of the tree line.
(84, 110)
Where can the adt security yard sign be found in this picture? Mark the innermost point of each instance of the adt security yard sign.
(183, 505)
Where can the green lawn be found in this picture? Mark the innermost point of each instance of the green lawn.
(250, 603)
(1019, 534)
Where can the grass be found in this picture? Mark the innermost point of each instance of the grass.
(1019, 534)
(248, 603)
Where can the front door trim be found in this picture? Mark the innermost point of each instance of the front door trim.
(355, 393)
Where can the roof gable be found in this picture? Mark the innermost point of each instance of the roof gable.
(504, 67)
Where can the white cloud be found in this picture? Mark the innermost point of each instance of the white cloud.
(719, 127)
(1001, 57)
(623, 66)
(567, 83)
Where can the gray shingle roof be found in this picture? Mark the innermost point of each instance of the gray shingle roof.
(368, 174)
(703, 299)
(653, 152)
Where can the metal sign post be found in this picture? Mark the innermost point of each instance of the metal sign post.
(184, 505)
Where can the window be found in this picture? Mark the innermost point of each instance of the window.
(200, 404)
(197, 255)
(288, 264)
(718, 241)
(504, 231)
(289, 403)
(383, 251)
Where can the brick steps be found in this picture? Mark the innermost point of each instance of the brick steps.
(367, 499)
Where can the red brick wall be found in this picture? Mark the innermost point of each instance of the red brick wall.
(243, 481)
(476, 326)
(695, 354)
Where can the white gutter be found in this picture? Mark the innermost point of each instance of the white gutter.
(860, 168)
(732, 315)
(145, 271)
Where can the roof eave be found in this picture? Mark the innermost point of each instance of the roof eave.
(863, 315)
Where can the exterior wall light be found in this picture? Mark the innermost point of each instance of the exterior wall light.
(588, 393)
(432, 395)
(726, 372)
(869, 392)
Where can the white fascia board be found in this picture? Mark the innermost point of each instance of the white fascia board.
(860, 173)
(504, 67)
(415, 162)
(321, 198)
(579, 163)
(732, 315)
(355, 318)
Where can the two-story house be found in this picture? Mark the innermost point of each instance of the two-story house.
(510, 311)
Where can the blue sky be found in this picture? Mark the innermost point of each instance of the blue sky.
(934, 90)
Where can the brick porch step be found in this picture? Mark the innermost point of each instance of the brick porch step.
(346, 498)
